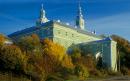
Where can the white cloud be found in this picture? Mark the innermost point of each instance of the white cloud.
(115, 24)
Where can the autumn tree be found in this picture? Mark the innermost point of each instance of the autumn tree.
(30, 43)
(50, 61)
(123, 48)
(2, 39)
(53, 49)
(11, 57)
(67, 62)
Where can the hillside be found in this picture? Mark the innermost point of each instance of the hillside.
(43, 60)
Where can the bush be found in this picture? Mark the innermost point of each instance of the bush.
(81, 72)
(34, 68)
(30, 44)
(66, 72)
(11, 57)
(54, 77)
(67, 62)
(75, 52)
(124, 70)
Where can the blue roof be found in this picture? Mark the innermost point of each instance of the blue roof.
(105, 39)
(108, 38)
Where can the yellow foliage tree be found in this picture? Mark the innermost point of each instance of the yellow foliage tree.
(58, 53)
(67, 62)
(2, 39)
(53, 49)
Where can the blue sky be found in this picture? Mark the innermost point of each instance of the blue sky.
(104, 16)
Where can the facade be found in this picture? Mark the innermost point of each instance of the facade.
(105, 48)
(67, 35)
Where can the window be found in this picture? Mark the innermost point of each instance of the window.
(48, 32)
(58, 32)
(106, 45)
(66, 43)
(72, 35)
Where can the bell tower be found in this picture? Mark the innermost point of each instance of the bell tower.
(79, 18)
(42, 17)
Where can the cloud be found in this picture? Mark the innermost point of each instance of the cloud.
(115, 24)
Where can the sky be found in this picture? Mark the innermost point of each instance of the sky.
(105, 16)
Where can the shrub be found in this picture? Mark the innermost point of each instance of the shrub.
(124, 70)
(75, 52)
(81, 72)
(11, 57)
(67, 62)
(35, 67)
